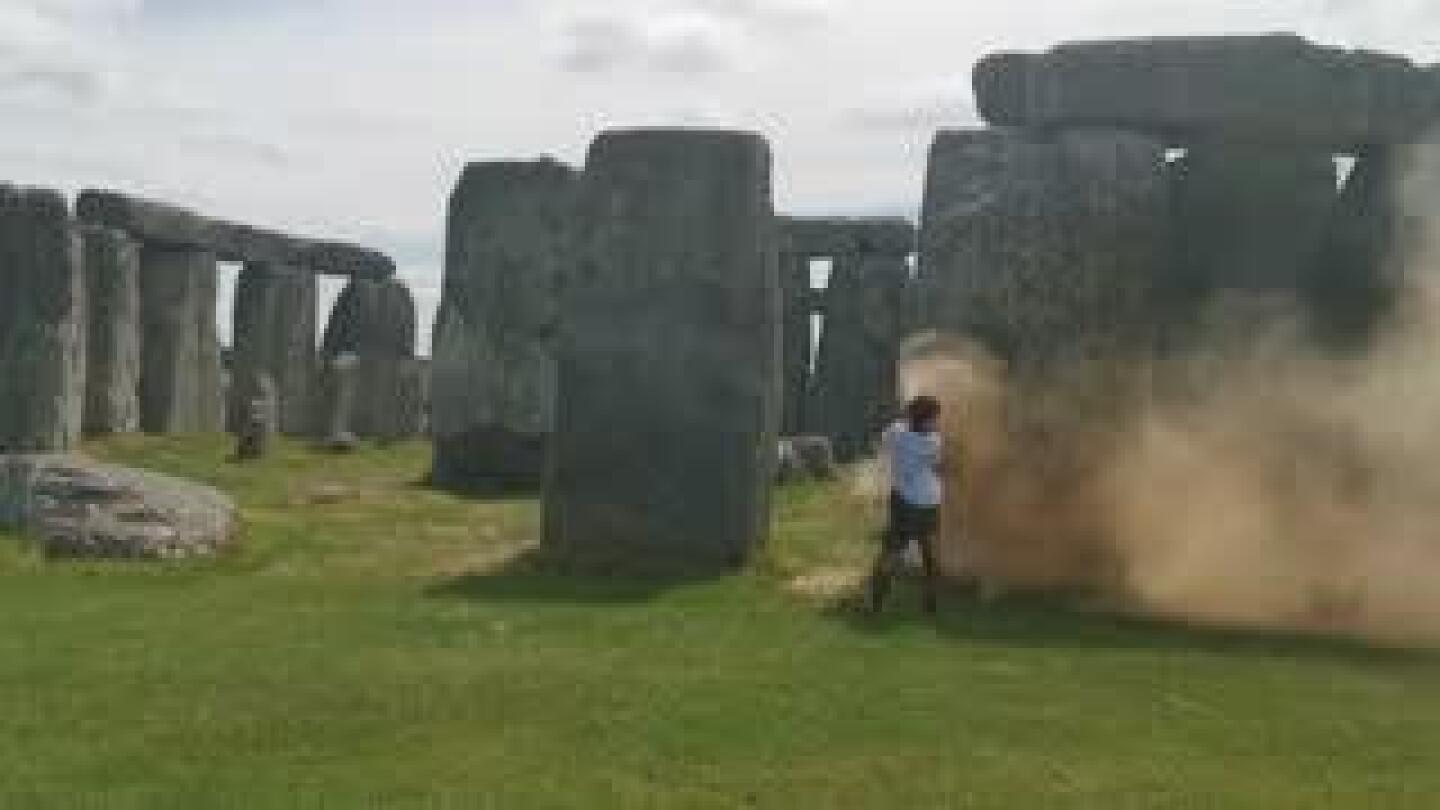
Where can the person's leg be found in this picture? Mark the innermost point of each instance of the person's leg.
(887, 564)
(932, 575)
(881, 578)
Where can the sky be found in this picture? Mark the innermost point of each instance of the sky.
(353, 118)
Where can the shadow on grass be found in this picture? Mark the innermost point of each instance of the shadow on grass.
(479, 491)
(539, 578)
(1057, 623)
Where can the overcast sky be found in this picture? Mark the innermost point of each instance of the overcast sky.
(352, 118)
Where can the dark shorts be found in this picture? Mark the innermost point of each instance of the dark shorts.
(909, 523)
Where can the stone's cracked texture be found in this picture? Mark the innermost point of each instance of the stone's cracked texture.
(1046, 249)
(1278, 89)
(375, 321)
(274, 333)
(1249, 218)
(180, 375)
(112, 386)
(669, 382)
(42, 322)
(169, 226)
(857, 369)
(78, 508)
(493, 398)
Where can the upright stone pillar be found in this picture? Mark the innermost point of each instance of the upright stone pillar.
(112, 387)
(1250, 221)
(1358, 272)
(858, 365)
(42, 332)
(375, 321)
(1045, 248)
(180, 376)
(274, 334)
(493, 399)
(255, 425)
(669, 390)
(337, 402)
(798, 309)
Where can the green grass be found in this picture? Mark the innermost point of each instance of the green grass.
(374, 644)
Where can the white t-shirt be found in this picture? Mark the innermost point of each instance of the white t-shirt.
(914, 465)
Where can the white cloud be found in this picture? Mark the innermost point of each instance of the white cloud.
(679, 41)
(685, 37)
(59, 49)
(788, 13)
(926, 104)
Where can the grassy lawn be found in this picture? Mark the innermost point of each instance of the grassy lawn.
(375, 644)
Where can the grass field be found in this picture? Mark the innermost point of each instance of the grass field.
(375, 644)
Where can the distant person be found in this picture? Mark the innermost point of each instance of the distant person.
(912, 446)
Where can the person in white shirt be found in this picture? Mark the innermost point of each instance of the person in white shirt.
(913, 448)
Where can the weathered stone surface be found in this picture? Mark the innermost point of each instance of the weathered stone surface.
(274, 333)
(799, 303)
(338, 391)
(494, 378)
(857, 367)
(1279, 89)
(806, 458)
(837, 236)
(1387, 217)
(180, 376)
(375, 321)
(169, 226)
(1249, 218)
(1044, 248)
(832, 398)
(1357, 270)
(154, 223)
(340, 259)
(112, 384)
(42, 326)
(257, 421)
(79, 508)
(669, 385)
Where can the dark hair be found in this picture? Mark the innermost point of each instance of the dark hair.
(922, 413)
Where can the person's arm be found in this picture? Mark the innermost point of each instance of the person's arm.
(940, 461)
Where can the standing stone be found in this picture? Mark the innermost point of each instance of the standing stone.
(494, 377)
(338, 390)
(42, 317)
(112, 385)
(1249, 220)
(180, 375)
(858, 366)
(375, 321)
(866, 315)
(256, 424)
(1356, 276)
(1045, 248)
(669, 358)
(274, 333)
(798, 302)
(211, 367)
